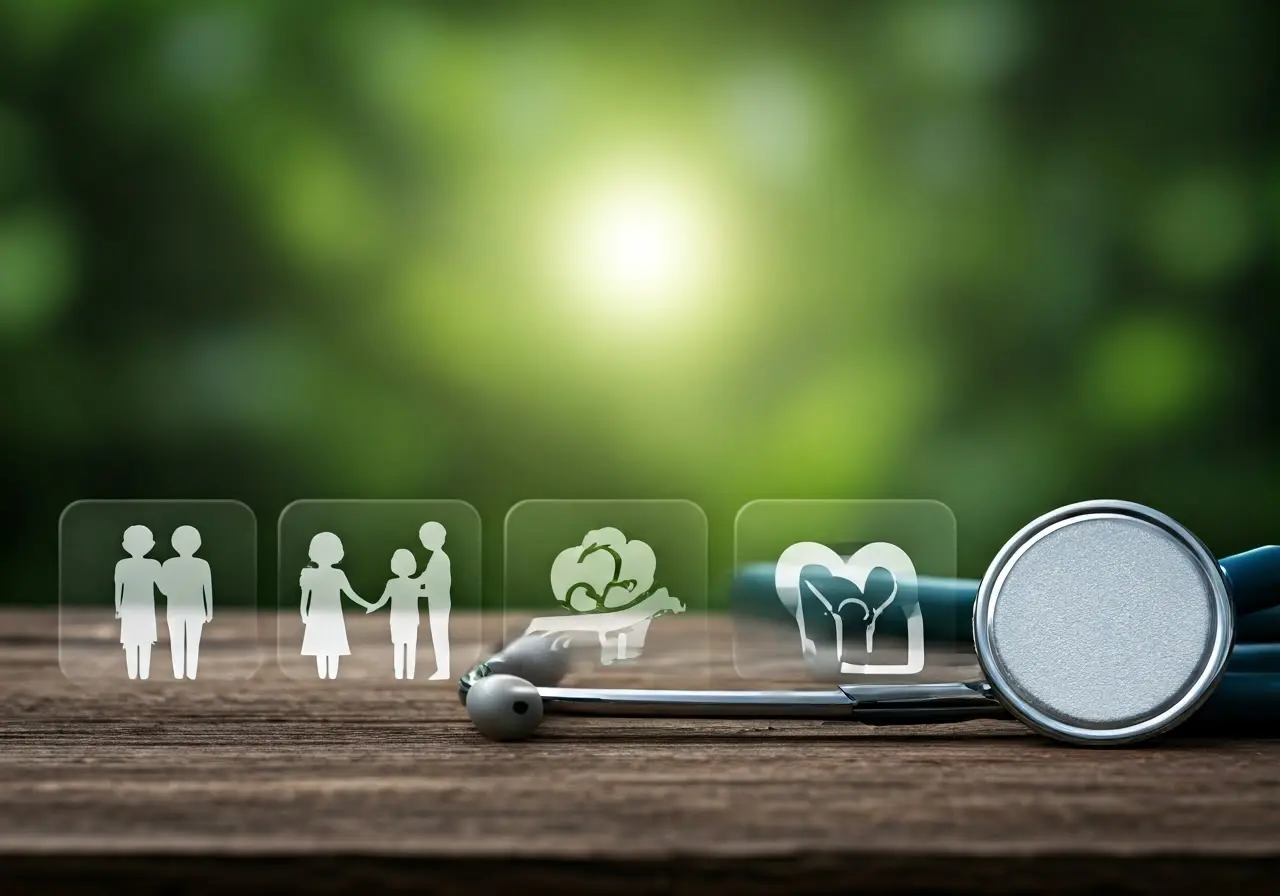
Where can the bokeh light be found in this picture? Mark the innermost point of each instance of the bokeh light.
(637, 243)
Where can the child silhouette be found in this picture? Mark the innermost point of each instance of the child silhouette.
(403, 592)
(135, 597)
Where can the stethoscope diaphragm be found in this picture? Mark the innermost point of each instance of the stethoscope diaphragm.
(1103, 622)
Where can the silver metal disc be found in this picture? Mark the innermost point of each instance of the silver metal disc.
(1103, 622)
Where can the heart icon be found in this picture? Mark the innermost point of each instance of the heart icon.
(856, 570)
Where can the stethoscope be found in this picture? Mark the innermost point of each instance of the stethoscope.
(1099, 623)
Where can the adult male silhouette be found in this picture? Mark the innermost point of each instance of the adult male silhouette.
(435, 582)
(188, 584)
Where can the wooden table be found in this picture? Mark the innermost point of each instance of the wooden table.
(283, 784)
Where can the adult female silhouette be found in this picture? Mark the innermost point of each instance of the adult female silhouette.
(322, 586)
(135, 598)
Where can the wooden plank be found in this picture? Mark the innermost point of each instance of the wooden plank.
(373, 782)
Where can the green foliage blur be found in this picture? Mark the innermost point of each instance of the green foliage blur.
(1005, 255)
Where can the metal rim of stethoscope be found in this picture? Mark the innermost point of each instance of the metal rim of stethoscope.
(1169, 717)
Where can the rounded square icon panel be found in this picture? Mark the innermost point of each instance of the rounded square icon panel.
(621, 584)
(158, 591)
(846, 591)
(379, 591)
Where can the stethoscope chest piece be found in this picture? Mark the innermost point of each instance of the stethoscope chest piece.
(1103, 622)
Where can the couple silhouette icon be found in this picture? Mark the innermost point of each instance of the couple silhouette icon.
(187, 584)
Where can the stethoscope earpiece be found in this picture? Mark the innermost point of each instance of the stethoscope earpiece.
(504, 707)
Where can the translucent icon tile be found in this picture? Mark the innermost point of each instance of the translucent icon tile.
(376, 591)
(155, 591)
(622, 585)
(847, 591)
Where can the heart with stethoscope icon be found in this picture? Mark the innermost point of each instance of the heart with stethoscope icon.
(793, 587)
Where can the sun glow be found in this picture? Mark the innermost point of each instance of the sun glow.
(638, 242)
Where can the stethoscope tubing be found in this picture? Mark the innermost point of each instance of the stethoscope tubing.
(1254, 577)
(1260, 627)
(1245, 703)
(1254, 659)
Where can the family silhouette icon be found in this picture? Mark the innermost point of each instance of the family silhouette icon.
(324, 585)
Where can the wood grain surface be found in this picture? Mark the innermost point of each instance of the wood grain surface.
(279, 783)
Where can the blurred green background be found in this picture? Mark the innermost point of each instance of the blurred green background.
(1004, 255)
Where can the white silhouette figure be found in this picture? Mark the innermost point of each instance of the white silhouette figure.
(322, 587)
(436, 581)
(188, 584)
(403, 591)
(135, 599)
